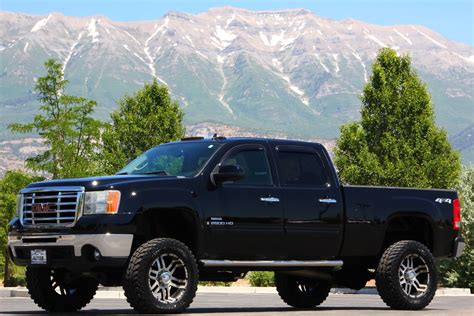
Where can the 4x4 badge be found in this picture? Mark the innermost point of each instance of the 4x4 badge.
(443, 200)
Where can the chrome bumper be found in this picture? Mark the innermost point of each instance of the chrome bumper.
(109, 245)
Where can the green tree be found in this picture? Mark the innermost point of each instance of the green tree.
(10, 184)
(146, 119)
(459, 272)
(397, 142)
(66, 124)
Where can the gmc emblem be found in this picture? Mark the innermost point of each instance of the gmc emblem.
(42, 208)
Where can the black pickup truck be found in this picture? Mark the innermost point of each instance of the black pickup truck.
(214, 209)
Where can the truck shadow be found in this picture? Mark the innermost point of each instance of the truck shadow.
(232, 310)
(285, 310)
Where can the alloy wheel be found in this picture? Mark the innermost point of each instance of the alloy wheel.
(414, 276)
(168, 278)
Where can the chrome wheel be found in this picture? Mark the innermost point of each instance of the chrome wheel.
(167, 278)
(414, 276)
(305, 287)
(57, 285)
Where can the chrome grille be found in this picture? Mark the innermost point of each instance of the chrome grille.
(53, 206)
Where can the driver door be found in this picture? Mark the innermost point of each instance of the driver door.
(246, 219)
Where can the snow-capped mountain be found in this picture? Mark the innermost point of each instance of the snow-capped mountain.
(289, 71)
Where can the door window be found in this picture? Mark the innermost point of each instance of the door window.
(254, 162)
(301, 169)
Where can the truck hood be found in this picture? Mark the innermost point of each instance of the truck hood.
(105, 182)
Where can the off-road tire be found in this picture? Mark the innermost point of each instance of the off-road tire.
(288, 287)
(388, 279)
(136, 280)
(40, 287)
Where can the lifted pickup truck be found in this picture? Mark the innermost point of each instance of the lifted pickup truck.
(214, 209)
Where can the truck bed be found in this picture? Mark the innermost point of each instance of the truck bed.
(369, 210)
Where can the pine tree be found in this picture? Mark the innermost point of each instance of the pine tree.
(146, 119)
(396, 142)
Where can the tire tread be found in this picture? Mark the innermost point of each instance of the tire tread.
(290, 296)
(136, 294)
(388, 287)
(42, 296)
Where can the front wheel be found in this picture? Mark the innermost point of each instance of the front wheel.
(162, 277)
(301, 292)
(406, 276)
(51, 290)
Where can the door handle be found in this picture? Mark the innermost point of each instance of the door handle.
(327, 201)
(270, 199)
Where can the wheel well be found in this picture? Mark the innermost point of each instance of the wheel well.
(179, 224)
(408, 228)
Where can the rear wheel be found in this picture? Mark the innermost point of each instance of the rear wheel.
(52, 291)
(162, 277)
(301, 292)
(406, 275)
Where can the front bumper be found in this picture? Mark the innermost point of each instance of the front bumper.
(458, 247)
(71, 250)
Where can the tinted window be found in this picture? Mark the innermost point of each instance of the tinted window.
(301, 169)
(254, 162)
(175, 159)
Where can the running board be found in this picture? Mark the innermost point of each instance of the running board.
(294, 263)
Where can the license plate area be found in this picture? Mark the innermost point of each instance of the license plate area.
(38, 256)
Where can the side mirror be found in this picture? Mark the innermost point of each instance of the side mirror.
(227, 173)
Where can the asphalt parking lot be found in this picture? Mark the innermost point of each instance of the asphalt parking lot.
(264, 304)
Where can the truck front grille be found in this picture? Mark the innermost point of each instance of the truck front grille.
(51, 206)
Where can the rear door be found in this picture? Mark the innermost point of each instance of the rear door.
(312, 203)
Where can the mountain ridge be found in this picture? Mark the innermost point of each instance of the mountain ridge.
(286, 72)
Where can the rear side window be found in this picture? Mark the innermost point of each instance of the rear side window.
(254, 162)
(301, 169)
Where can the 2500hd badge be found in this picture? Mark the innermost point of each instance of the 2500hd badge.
(214, 209)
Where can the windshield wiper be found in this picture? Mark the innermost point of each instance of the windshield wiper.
(121, 173)
(159, 172)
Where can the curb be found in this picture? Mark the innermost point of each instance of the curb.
(13, 292)
(117, 292)
(453, 292)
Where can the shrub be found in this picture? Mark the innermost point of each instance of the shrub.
(214, 283)
(262, 278)
(10, 184)
(459, 272)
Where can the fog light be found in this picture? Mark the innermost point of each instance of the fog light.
(96, 255)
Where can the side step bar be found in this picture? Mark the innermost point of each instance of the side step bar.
(294, 263)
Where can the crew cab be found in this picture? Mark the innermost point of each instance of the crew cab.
(214, 209)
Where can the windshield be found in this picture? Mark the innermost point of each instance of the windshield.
(176, 159)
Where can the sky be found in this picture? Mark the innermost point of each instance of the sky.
(451, 18)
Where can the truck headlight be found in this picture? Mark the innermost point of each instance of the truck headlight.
(19, 204)
(101, 202)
